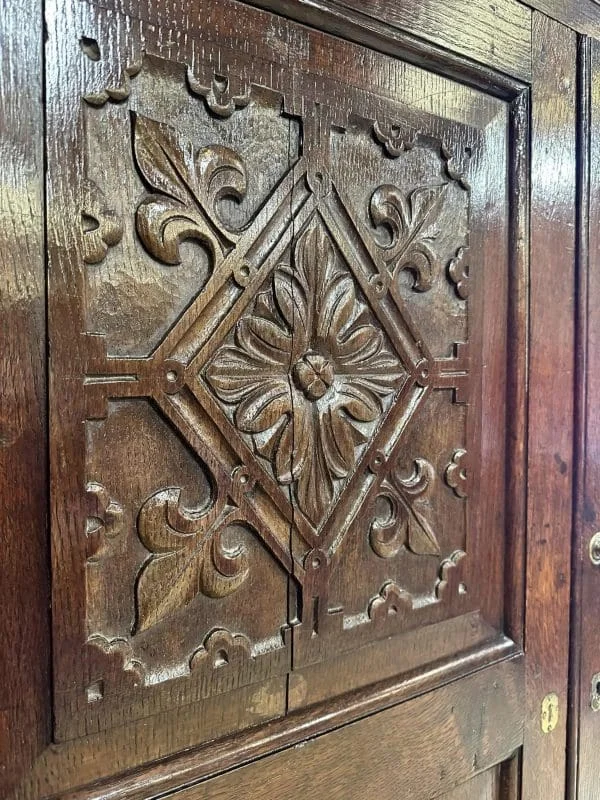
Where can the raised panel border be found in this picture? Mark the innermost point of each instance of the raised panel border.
(386, 40)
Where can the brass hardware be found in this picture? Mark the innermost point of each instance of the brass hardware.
(549, 712)
(595, 549)
(595, 693)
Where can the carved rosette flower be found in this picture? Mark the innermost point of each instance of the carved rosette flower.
(309, 374)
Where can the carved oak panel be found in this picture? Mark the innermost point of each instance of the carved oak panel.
(279, 285)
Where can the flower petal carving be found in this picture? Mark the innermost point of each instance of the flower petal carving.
(306, 369)
(410, 222)
(188, 556)
(190, 185)
(404, 523)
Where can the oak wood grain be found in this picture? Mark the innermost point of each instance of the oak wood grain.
(584, 719)
(551, 365)
(24, 623)
(478, 734)
(582, 16)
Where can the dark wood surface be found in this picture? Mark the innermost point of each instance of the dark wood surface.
(580, 15)
(485, 731)
(24, 619)
(551, 360)
(585, 717)
(496, 35)
(311, 401)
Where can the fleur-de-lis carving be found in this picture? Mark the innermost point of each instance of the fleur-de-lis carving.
(393, 139)
(458, 272)
(190, 185)
(219, 96)
(410, 221)
(404, 523)
(188, 556)
(457, 473)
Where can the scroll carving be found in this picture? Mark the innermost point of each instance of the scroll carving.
(405, 524)
(188, 556)
(115, 94)
(308, 369)
(410, 220)
(391, 602)
(190, 185)
(449, 583)
(456, 166)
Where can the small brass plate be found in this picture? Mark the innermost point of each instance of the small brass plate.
(549, 712)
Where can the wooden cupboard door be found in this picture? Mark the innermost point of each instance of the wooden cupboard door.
(282, 277)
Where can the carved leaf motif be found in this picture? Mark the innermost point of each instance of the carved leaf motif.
(308, 366)
(188, 556)
(410, 221)
(405, 523)
(190, 186)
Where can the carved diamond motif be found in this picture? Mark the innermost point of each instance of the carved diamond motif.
(307, 373)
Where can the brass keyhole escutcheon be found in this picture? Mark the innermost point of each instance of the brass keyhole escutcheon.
(549, 718)
(595, 692)
(595, 549)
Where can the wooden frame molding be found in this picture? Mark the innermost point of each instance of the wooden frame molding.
(436, 35)
(276, 740)
(24, 623)
(551, 365)
(582, 16)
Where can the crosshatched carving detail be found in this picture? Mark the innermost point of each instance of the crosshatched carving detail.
(309, 372)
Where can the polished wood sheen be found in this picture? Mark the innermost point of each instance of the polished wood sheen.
(550, 455)
(24, 579)
(289, 299)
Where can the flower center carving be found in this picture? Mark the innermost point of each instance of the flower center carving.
(308, 374)
(313, 375)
